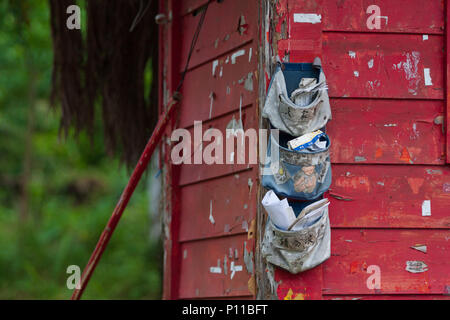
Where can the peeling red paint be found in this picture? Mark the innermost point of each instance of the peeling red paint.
(405, 156)
(220, 84)
(415, 184)
(388, 146)
(386, 161)
(378, 153)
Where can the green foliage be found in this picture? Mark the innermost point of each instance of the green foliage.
(72, 188)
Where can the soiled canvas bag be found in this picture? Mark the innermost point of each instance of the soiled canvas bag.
(301, 175)
(300, 250)
(286, 115)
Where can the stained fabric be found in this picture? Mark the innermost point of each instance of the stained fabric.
(299, 250)
(284, 113)
(302, 175)
(297, 168)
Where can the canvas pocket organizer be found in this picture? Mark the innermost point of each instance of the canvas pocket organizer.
(297, 106)
(297, 101)
(302, 175)
(300, 250)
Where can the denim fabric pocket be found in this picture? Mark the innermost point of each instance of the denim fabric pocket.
(299, 250)
(285, 114)
(302, 175)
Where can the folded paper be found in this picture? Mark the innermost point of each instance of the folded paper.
(281, 214)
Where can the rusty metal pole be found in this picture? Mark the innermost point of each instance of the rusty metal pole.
(126, 195)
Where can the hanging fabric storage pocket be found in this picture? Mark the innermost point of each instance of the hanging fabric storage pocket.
(297, 101)
(303, 247)
(302, 174)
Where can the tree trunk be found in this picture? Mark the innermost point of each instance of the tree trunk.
(28, 152)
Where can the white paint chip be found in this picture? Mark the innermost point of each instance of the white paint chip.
(370, 63)
(426, 74)
(211, 218)
(250, 184)
(214, 66)
(425, 37)
(211, 97)
(245, 225)
(250, 54)
(217, 269)
(352, 54)
(307, 18)
(410, 66)
(426, 208)
(237, 54)
(386, 18)
(420, 247)
(356, 73)
(234, 269)
(416, 266)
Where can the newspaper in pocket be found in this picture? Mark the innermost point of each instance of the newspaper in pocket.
(309, 215)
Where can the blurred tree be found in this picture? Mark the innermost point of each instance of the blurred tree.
(107, 62)
(20, 27)
(55, 196)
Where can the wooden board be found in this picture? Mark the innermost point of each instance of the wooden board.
(303, 286)
(388, 144)
(401, 16)
(189, 6)
(231, 78)
(447, 79)
(388, 147)
(194, 173)
(386, 131)
(389, 196)
(212, 206)
(383, 65)
(345, 274)
(218, 207)
(353, 252)
(215, 38)
(200, 281)
(300, 39)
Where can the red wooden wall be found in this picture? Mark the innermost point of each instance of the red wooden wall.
(388, 146)
(213, 206)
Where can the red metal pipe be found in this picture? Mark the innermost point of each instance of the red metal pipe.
(126, 195)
